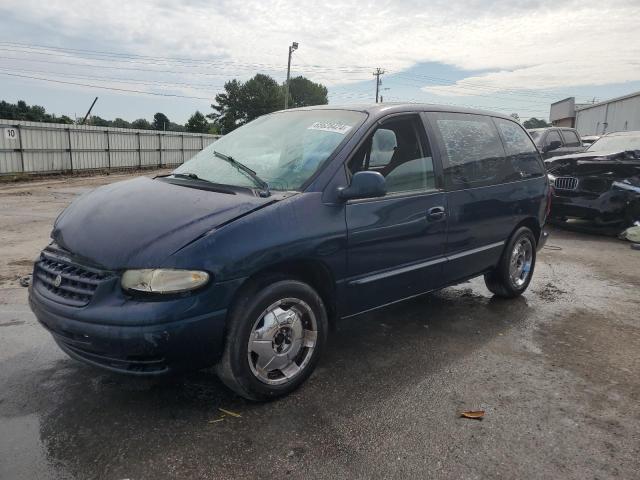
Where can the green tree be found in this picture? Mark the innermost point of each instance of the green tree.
(176, 127)
(161, 121)
(96, 121)
(120, 123)
(305, 93)
(63, 119)
(535, 123)
(34, 113)
(141, 124)
(243, 102)
(197, 123)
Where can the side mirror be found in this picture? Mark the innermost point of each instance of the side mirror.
(554, 145)
(364, 185)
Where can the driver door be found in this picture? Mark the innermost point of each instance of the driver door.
(395, 243)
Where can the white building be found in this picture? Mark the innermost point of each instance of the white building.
(615, 115)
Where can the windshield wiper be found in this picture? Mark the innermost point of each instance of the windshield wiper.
(247, 170)
(190, 175)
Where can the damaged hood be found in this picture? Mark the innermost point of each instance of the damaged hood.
(140, 222)
(625, 163)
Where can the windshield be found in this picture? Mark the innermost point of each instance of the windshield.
(615, 143)
(283, 149)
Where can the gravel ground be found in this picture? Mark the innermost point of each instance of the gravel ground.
(557, 372)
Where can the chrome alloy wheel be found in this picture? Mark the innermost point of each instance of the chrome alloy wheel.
(520, 262)
(282, 341)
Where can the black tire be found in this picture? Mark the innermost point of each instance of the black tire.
(234, 368)
(499, 280)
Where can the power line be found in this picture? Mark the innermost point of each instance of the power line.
(185, 62)
(113, 67)
(114, 79)
(182, 61)
(105, 88)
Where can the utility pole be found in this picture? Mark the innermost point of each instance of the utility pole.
(90, 108)
(377, 74)
(292, 47)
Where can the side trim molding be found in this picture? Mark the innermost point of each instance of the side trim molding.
(416, 266)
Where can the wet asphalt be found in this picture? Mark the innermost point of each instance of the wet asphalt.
(556, 371)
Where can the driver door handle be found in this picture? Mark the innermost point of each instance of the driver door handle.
(435, 214)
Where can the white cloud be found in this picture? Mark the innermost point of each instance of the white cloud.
(531, 45)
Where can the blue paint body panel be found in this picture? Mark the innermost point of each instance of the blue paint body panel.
(372, 252)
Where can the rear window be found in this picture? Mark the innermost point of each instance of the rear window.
(472, 151)
(571, 139)
(521, 152)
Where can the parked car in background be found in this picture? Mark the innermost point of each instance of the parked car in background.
(243, 256)
(554, 141)
(588, 140)
(601, 185)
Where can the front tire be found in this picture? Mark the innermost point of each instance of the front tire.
(512, 275)
(277, 329)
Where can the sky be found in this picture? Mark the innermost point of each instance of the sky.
(142, 57)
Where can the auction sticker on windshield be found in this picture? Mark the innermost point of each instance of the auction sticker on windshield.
(334, 127)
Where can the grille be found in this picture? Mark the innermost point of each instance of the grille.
(566, 183)
(67, 283)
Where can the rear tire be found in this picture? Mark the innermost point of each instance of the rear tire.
(512, 275)
(276, 332)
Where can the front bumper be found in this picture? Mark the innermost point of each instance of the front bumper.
(609, 207)
(140, 337)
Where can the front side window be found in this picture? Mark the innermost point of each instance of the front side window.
(570, 138)
(398, 152)
(284, 149)
(552, 136)
(520, 150)
(473, 155)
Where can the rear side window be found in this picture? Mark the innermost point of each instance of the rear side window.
(472, 151)
(570, 138)
(520, 150)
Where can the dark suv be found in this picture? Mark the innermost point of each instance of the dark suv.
(554, 141)
(243, 256)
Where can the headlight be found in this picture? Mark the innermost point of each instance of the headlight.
(552, 179)
(163, 280)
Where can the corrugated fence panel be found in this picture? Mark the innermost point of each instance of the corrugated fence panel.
(149, 142)
(10, 156)
(149, 158)
(172, 157)
(32, 147)
(46, 161)
(89, 150)
(123, 141)
(189, 154)
(170, 142)
(10, 162)
(124, 159)
(193, 143)
(208, 141)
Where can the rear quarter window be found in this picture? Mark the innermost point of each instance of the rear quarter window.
(521, 152)
(471, 150)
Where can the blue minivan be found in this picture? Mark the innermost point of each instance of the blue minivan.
(244, 256)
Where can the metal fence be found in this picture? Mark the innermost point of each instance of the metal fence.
(34, 147)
